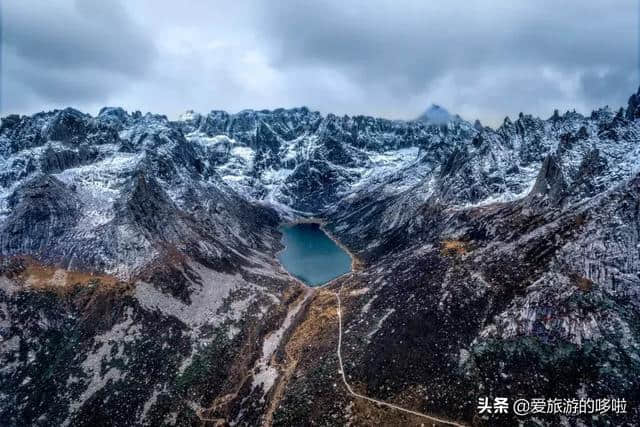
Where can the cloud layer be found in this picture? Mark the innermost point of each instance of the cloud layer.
(386, 58)
(58, 53)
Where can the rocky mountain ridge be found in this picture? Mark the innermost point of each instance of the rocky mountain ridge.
(490, 256)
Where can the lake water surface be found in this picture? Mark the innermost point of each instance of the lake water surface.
(311, 256)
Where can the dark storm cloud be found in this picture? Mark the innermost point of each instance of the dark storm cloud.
(412, 45)
(60, 52)
(484, 59)
(611, 85)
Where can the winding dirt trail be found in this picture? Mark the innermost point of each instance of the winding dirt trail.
(371, 399)
(287, 369)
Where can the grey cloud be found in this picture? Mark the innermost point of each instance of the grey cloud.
(417, 37)
(387, 58)
(69, 53)
(609, 86)
(411, 45)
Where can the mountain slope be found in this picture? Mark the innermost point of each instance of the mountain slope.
(140, 285)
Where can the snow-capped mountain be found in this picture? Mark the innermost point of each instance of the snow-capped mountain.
(436, 115)
(140, 283)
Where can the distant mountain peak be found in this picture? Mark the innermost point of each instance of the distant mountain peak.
(188, 115)
(436, 115)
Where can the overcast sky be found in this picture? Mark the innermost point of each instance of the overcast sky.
(481, 59)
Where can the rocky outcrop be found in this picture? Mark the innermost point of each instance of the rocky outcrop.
(550, 183)
(55, 161)
(633, 107)
(43, 210)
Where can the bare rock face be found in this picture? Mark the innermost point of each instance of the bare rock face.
(139, 283)
(43, 209)
(588, 177)
(550, 183)
(633, 108)
(150, 208)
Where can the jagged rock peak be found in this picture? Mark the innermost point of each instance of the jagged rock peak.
(550, 183)
(633, 106)
(436, 115)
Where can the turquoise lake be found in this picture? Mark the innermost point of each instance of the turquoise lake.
(311, 256)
